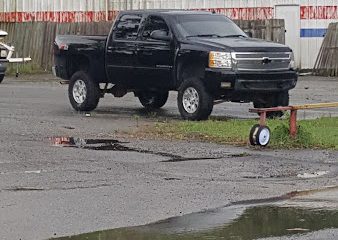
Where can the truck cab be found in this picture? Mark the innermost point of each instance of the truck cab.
(205, 57)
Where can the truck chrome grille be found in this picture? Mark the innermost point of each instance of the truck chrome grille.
(264, 61)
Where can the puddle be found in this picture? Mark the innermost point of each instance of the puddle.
(115, 145)
(243, 222)
(94, 144)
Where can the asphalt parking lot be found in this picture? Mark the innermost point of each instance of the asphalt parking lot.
(48, 191)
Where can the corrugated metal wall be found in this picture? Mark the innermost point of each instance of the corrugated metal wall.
(315, 15)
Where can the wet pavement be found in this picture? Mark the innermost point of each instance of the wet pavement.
(295, 217)
(64, 173)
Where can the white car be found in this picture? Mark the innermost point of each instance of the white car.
(6, 53)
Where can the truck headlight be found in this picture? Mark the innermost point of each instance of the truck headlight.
(220, 60)
(292, 64)
(3, 53)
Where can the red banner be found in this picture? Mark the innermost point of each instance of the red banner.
(319, 12)
(249, 13)
(57, 16)
(90, 16)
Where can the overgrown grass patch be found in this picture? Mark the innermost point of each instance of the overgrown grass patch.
(317, 133)
(27, 68)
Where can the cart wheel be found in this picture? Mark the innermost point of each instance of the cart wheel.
(259, 135)
(252, 136)
(263, 136)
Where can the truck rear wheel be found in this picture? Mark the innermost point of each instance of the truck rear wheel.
(275, 100)
(83, 92)
(194, 101)
(2, 78)
(153, 100)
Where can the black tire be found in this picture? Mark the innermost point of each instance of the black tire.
(253, 133)
(273, 100)
(2, 78)
(153, 100)
(200, 110)
(92, 89)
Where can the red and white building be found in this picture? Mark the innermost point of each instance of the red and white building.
(306, 21)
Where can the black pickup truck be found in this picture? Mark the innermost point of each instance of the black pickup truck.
(204, 56)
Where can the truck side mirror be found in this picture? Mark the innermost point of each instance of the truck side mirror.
(160, 35)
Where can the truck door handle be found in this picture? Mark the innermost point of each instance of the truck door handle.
(110, 49)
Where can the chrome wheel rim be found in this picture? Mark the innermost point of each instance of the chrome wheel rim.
(190, 100)
(79, 91)
(264, 137)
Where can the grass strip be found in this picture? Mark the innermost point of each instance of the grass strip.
(319, 133)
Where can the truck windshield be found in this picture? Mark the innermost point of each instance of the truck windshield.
(207, 26)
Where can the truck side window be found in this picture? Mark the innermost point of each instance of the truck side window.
(154, 23)
(127, 27)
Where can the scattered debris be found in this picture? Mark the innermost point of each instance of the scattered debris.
(253, 177)
(70, 128)
(36, 171)
(312, 175)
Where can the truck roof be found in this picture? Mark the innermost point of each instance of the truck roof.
(166, 11)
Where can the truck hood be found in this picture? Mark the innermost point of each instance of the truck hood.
(241, 44)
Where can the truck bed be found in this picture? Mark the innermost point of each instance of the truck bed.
(71, 50)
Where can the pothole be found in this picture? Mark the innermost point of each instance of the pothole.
(115, 145)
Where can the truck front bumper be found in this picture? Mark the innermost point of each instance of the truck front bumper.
(272, 81)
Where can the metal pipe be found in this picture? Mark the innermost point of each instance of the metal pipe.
(293, 124)
(262, 119)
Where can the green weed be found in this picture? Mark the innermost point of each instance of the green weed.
(318, 133)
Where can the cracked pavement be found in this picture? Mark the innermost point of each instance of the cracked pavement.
(48, 191)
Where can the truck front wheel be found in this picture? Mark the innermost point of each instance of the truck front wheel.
(194, 101)
(153, 100)
(83, 92)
